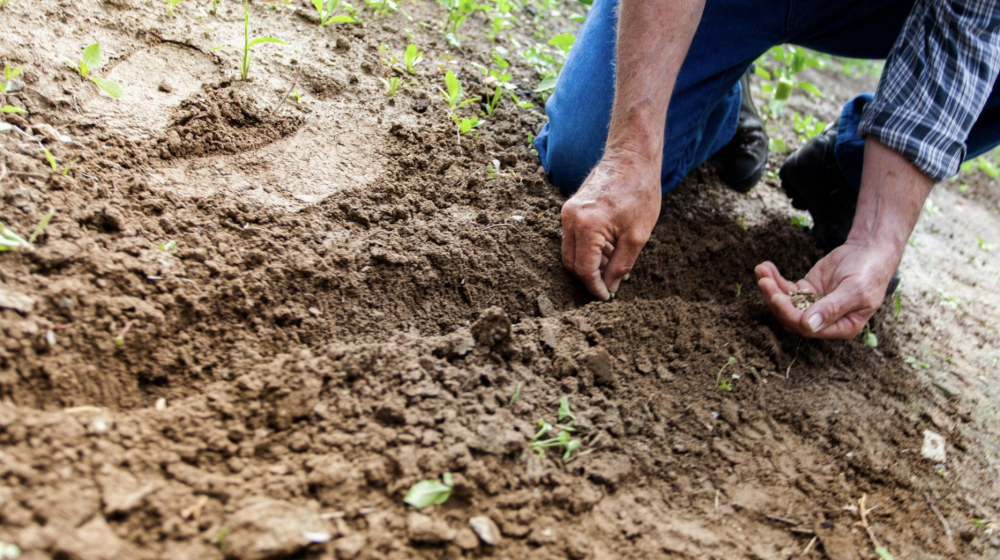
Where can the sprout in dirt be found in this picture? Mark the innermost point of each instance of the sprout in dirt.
(91, 60)
(515, 396)
(412, 57)
(394, 84)
(168, 247)
(11, 109)
(724, 384)
(455, 93)
(215, 6)
(494, 172)
(897, 303)
(868, 338)
(564, 411)
(382, 7)
(10, 241)
(458, 12)
(430, 492)
(9, 74)
(170, 6)
(8, 551)
(248, 43)
(801, 221)
(219, 540)
(54, 163)
(499, 79)
(325, 12)
(563, 439)
(3, 4)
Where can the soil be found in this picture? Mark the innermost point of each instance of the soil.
(353, 303)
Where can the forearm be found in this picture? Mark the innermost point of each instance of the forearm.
(892, 194)
(653, 40)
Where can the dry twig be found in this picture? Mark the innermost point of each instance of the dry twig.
(941, 518)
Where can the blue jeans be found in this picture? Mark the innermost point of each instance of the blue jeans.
(706, 100)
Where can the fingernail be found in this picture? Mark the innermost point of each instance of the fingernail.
(626, 276)
(815, 322)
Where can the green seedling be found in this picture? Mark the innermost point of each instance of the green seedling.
(248, 43)
(785, 61)
(387, 61)
(430, 492)
(897, 304)
(215, 6)
(382, 7)
(465, 126)
(500, 18)
(517, 395)
(915, 363)
(446, 60)
(457, 12)
(868, 338)
(948, 300)
(455, 93)
(325, 12)
(883, 553)
(776, 145)
(801, 222)
(531, 144)
(91, 60)
(219, 540)
(499, 79)
(54, 163)
(9, 74)
(724, 384)
(808, 127)
(168, 246)
(739, 288)
(412, 57)
(42, 224)
(120, 339)
(394, 84)
(3, 4)
(170, 6)
(494, 172)
(11, 109)
(11, 241)
(563, 439)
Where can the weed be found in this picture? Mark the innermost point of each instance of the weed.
(868, 338)
(915, 363)
(776, 145)
(982, 244)
(724, 384)
(170, 6)
(11, 109)
(8, 77)
(394, 84)
(120, 339)
(10, 241)
(807, 127)
(466, 125)
(382, 7)
(498, 78)
(457, 12)
(215, 6)
(739, 287)
(412, 57)
(494, 172)
(54, 163)
(801, 222)
(42, 224)
(785, 62)
(948, 300)
(564, 411)
(430, 492)
(897, 304)
(500, 18)
(455, 93)
(248, 43)
(325, 12)
(91, 60)
(517, 395)
(984, 163)
(219, 540)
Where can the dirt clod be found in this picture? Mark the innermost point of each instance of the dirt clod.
(267, 529)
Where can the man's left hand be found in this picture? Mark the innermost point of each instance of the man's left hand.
(852, 280)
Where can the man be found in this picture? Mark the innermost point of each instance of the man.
(652, 89)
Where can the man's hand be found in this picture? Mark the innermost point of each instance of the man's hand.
(608, 221)
(852, 280)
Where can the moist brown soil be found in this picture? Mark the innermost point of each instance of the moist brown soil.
(353, 303)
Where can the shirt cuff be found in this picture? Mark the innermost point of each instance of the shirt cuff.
(916, 136)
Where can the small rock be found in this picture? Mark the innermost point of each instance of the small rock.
(349, 547)
(549, 336)
(120, 500)
(539, 537)
(466, 539)
(492, 327)
(94, 540)
(545, 307)
(265, 529)
(315, 312)
(21, 303)
(486, 529)
(933, 448)
(424, 529)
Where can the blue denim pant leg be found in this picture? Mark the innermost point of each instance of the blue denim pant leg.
(704, 107)
(850, 147)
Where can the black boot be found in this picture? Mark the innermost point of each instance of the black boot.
(813, 180)
(741, 162)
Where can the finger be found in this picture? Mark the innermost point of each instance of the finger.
(604, 262)
(769, 270)
(838, 314)
(780, 305)
(587, 263)
(568, 244)
(608, 249)
(623, 259)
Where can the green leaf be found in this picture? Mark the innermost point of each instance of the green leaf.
(11, 109)
(52, 160)
(762, 73)
(547, 83)
(429, 492)
(112, 89)
(339, 19)
(92, 56)
(777, 145)
(564, 411)
(83, 69)
(44, 223)
(454, 88)
(260, 40)
(810, 88)
(562, 40)
(883, 553)
(11, 73)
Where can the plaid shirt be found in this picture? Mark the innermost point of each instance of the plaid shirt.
(935, 83)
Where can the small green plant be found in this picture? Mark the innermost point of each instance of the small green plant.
(807, 127)
(9, 73)
(11, 241)
(785, 61)
(325, 12)
(457, 12)
(915, 363)
(517, 395)
(382, 7)
(500, 18)
(499, 79)
(219, 540)
(11, 109)
(168, 246)
(455, 93)
(897, 304)
(725, 384)
(120, 339)
(801, 222)
(739, 288)
(8, 551)
(563, 439)
(868, 338)
(248, 43)
(215, 6)
(170, 6)
(394, 84)
(412, 57)
(430, 492)
(494, 172)
(91, 60)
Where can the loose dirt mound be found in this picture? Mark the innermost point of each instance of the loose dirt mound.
(353, 305)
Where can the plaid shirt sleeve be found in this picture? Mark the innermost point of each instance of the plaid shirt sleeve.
(935, 83)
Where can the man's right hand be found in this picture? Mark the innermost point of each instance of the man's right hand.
(608, 221)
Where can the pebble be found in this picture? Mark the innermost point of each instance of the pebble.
(933, 448)
(349, 547)
(425, 529)
(265, 528)
(486, 529)
(466, 539)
